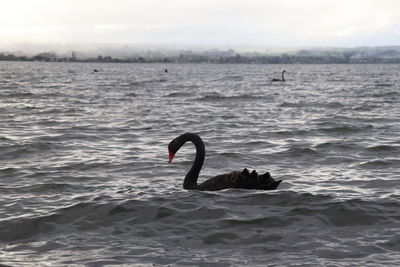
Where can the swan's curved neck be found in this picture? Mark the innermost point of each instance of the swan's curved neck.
(191, 177)
(283, 78)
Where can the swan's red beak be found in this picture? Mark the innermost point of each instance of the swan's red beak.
(171, 156)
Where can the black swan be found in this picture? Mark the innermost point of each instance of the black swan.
(236, 179)
(280, 80)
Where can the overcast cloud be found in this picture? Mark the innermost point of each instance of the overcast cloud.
(203, 22)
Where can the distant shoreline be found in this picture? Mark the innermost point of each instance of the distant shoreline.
(253, 62)
(199, 58)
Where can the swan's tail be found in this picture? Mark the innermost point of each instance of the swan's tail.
(254, 181)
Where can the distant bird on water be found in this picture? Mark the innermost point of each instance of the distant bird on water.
(279, 80)
(165, 70)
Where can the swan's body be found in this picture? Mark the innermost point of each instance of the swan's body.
(236, 179)
(280, 80)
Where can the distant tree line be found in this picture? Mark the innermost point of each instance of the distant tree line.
(301, 57)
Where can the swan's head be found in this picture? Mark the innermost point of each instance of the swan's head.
(173, 147)
(284, 71)
(179, 141)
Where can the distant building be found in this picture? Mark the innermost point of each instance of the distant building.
(73, 56)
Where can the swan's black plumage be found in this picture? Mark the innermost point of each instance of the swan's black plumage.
(280, 80)
(236, 179)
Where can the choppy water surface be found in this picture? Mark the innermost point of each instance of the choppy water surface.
(84, 178)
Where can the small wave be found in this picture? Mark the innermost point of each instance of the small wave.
(143, 128)
(346, 129)
(392, 244)
(131, 95)
(179, 94)
(299, 152)
(37, 188)
(144, 82)
(30, 108)
(379, 84)
(212, 96)
(365, 107)
(291, 104)
(23, 150)
(262, 220)
(333, 105)
(61, 110)
(78, 133)
(337, 146)
(51, 95)
(380, 183)
(231, 78)
(18, 95)
(6, 140)
(346, 213)
(218, 97)
(25, 228)
(220, 238)
(335, 160)
(12, 230)
(386, 94)
(84, 166)
(191, 213)
(383, 148)
(380, 163)
(292, 133)
(183, 87)
(9, 171)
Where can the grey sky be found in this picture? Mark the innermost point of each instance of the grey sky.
(203, 22)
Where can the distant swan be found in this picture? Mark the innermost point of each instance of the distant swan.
(236, 179)
(279, 80)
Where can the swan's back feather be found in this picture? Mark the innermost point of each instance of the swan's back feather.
(237, 179)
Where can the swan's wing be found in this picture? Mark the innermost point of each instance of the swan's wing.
(237, 179)
(222, 181)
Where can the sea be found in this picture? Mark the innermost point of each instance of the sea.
(85, 179)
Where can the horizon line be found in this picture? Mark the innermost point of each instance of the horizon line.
(27, 43)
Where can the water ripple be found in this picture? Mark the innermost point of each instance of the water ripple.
(84, 178)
